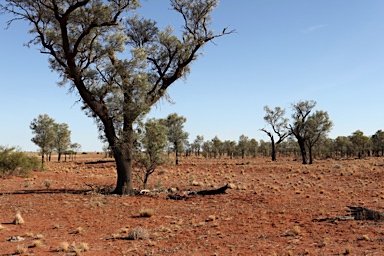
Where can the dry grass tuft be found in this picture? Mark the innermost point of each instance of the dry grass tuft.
(63, 247)
(18, 219)
(37, 243)
(146, 213)
(21, 249)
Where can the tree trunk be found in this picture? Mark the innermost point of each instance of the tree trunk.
(273, 153)
(302, 150)
(59, 157)
(310, 154)
(177, 157)
(123, 159)
(122, 149)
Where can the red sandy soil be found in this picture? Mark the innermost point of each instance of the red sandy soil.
(269, 212)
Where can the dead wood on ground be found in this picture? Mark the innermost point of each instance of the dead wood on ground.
(356, 213)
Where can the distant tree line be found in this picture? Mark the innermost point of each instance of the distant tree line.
(305, 136)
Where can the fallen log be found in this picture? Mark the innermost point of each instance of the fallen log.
(356, 213)
(362, 213)
(210, 191)
(218, 191)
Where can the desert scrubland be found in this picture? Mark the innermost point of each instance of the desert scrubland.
(269, 209)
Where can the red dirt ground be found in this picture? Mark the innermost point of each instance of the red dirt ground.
(269, 212)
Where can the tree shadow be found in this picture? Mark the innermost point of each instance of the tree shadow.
(47, 191)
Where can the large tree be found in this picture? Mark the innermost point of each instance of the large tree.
(120, 64)
(279, 124)
(299, 127)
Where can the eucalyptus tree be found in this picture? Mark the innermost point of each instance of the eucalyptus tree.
(207, 149)
(150, 149)
(197, 144)
(243, 145)
(43, 129)
(75, 148)
(343, 146)
(318, 125)
(264, 148)
(279, 124)
(217, 147)
(119, 63)
(176, 134)
(299, 127)
(378, 142)
(359, 142)
(62, 139)
(229, 147)
(253, 146)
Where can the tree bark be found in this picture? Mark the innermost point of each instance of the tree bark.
(303, 152)
(310, 155)
(273, 149)
(123, 159)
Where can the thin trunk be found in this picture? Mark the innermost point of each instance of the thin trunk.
(59, 157)
(273, 149)
(310, 154)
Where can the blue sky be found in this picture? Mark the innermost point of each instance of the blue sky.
(284, 51)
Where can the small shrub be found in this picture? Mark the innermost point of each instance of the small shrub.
(146, 213)
(47, 183)
(84, 247)
(63, 247)
(21, 249)
(14, 162)
(137, 233)
(36, 243)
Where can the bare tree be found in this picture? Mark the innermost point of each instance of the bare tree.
(275, 118)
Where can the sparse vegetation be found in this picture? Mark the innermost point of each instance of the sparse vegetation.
(282, 208)
(146, 212)
(137, 233)
(63, 247)
(14, 162)
(21, 249)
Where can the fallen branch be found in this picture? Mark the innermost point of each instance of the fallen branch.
(218, 191)
(211, 191)
(356, 213)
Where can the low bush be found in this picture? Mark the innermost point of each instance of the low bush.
(14, 162)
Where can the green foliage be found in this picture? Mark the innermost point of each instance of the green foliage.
(14, 162)
(176, 134)
(150, 149)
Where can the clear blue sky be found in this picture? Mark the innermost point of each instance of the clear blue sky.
(284, 51)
